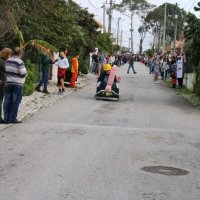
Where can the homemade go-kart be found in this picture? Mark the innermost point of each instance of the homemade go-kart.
(108, 84)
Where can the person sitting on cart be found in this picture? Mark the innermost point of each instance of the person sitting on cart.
(103, 78)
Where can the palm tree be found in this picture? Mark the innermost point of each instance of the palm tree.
(41, 45)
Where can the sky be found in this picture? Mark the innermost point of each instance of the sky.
(94, 6)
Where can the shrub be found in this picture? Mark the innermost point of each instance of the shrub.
(83, 66)
(188, 67)
(197, 87)
(31, 78)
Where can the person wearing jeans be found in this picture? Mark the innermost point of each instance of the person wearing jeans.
(46, 63)
(131, 64)
(15, 73)
(4, 55)
(12, 100)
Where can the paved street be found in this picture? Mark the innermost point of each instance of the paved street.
(86, 149)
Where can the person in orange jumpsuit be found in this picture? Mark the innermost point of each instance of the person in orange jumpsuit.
(74, 70)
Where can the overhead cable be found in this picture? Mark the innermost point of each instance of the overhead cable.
(93, 5)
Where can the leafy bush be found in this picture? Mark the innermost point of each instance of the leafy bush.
(31, 78)
(83, 66)
(188, 67)
(197, 87)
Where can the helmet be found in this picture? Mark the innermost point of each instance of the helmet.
(107, 67)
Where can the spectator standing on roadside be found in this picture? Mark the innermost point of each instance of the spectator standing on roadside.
(74, 70)
(108, 59)
(165, 67)
(150, 65)
(131, 64)
(15, 73)
(181, 60)
(62, 64)
(157, 65)
(101, 62)
(173, 71)
(4, 55)
(46, 63)
(95, 62)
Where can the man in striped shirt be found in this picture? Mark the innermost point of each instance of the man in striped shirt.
(16, 74)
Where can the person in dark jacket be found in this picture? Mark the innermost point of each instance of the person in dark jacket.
(4, 55)
(105, 74)
(131, 64)
(46, 63)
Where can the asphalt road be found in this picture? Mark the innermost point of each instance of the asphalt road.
(86, 149)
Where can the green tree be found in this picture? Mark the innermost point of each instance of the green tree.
(197, 8)
(135, 6)
(155, 19)
(8, 25)
(192, 48)
(56, 23)
(104, 43)
(144, 27)
(138, 7)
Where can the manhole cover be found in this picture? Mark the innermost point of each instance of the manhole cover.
(168, 171)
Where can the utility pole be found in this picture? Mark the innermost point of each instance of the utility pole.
(132, 32)
(160, 39)
(175, 28)
(104, 17)
(129, 44)
(121, 40)
(156, 39)
(110, 16)
(119, 18)
(164, 29)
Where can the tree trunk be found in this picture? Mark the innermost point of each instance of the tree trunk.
(140, 47)
(154, 39)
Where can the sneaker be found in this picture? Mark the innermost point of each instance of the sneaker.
(2, 121)
(63, 91)
(46, 91)
(17, 121)
(135, 72)
(38, 89)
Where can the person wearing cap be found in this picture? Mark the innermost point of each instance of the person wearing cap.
(74, 70)
(4, 55)
(105, 74)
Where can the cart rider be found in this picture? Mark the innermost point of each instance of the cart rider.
(105, 74)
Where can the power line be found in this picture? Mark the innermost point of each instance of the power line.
(186, 5)
(93, 5)
(192, 5)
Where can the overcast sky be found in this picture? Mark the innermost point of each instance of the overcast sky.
(94, 6)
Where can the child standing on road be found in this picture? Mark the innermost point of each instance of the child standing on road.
(74, 70)
(62, 64)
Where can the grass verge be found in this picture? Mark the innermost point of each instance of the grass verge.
(186, 93)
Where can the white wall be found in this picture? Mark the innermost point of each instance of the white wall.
(189, 80)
